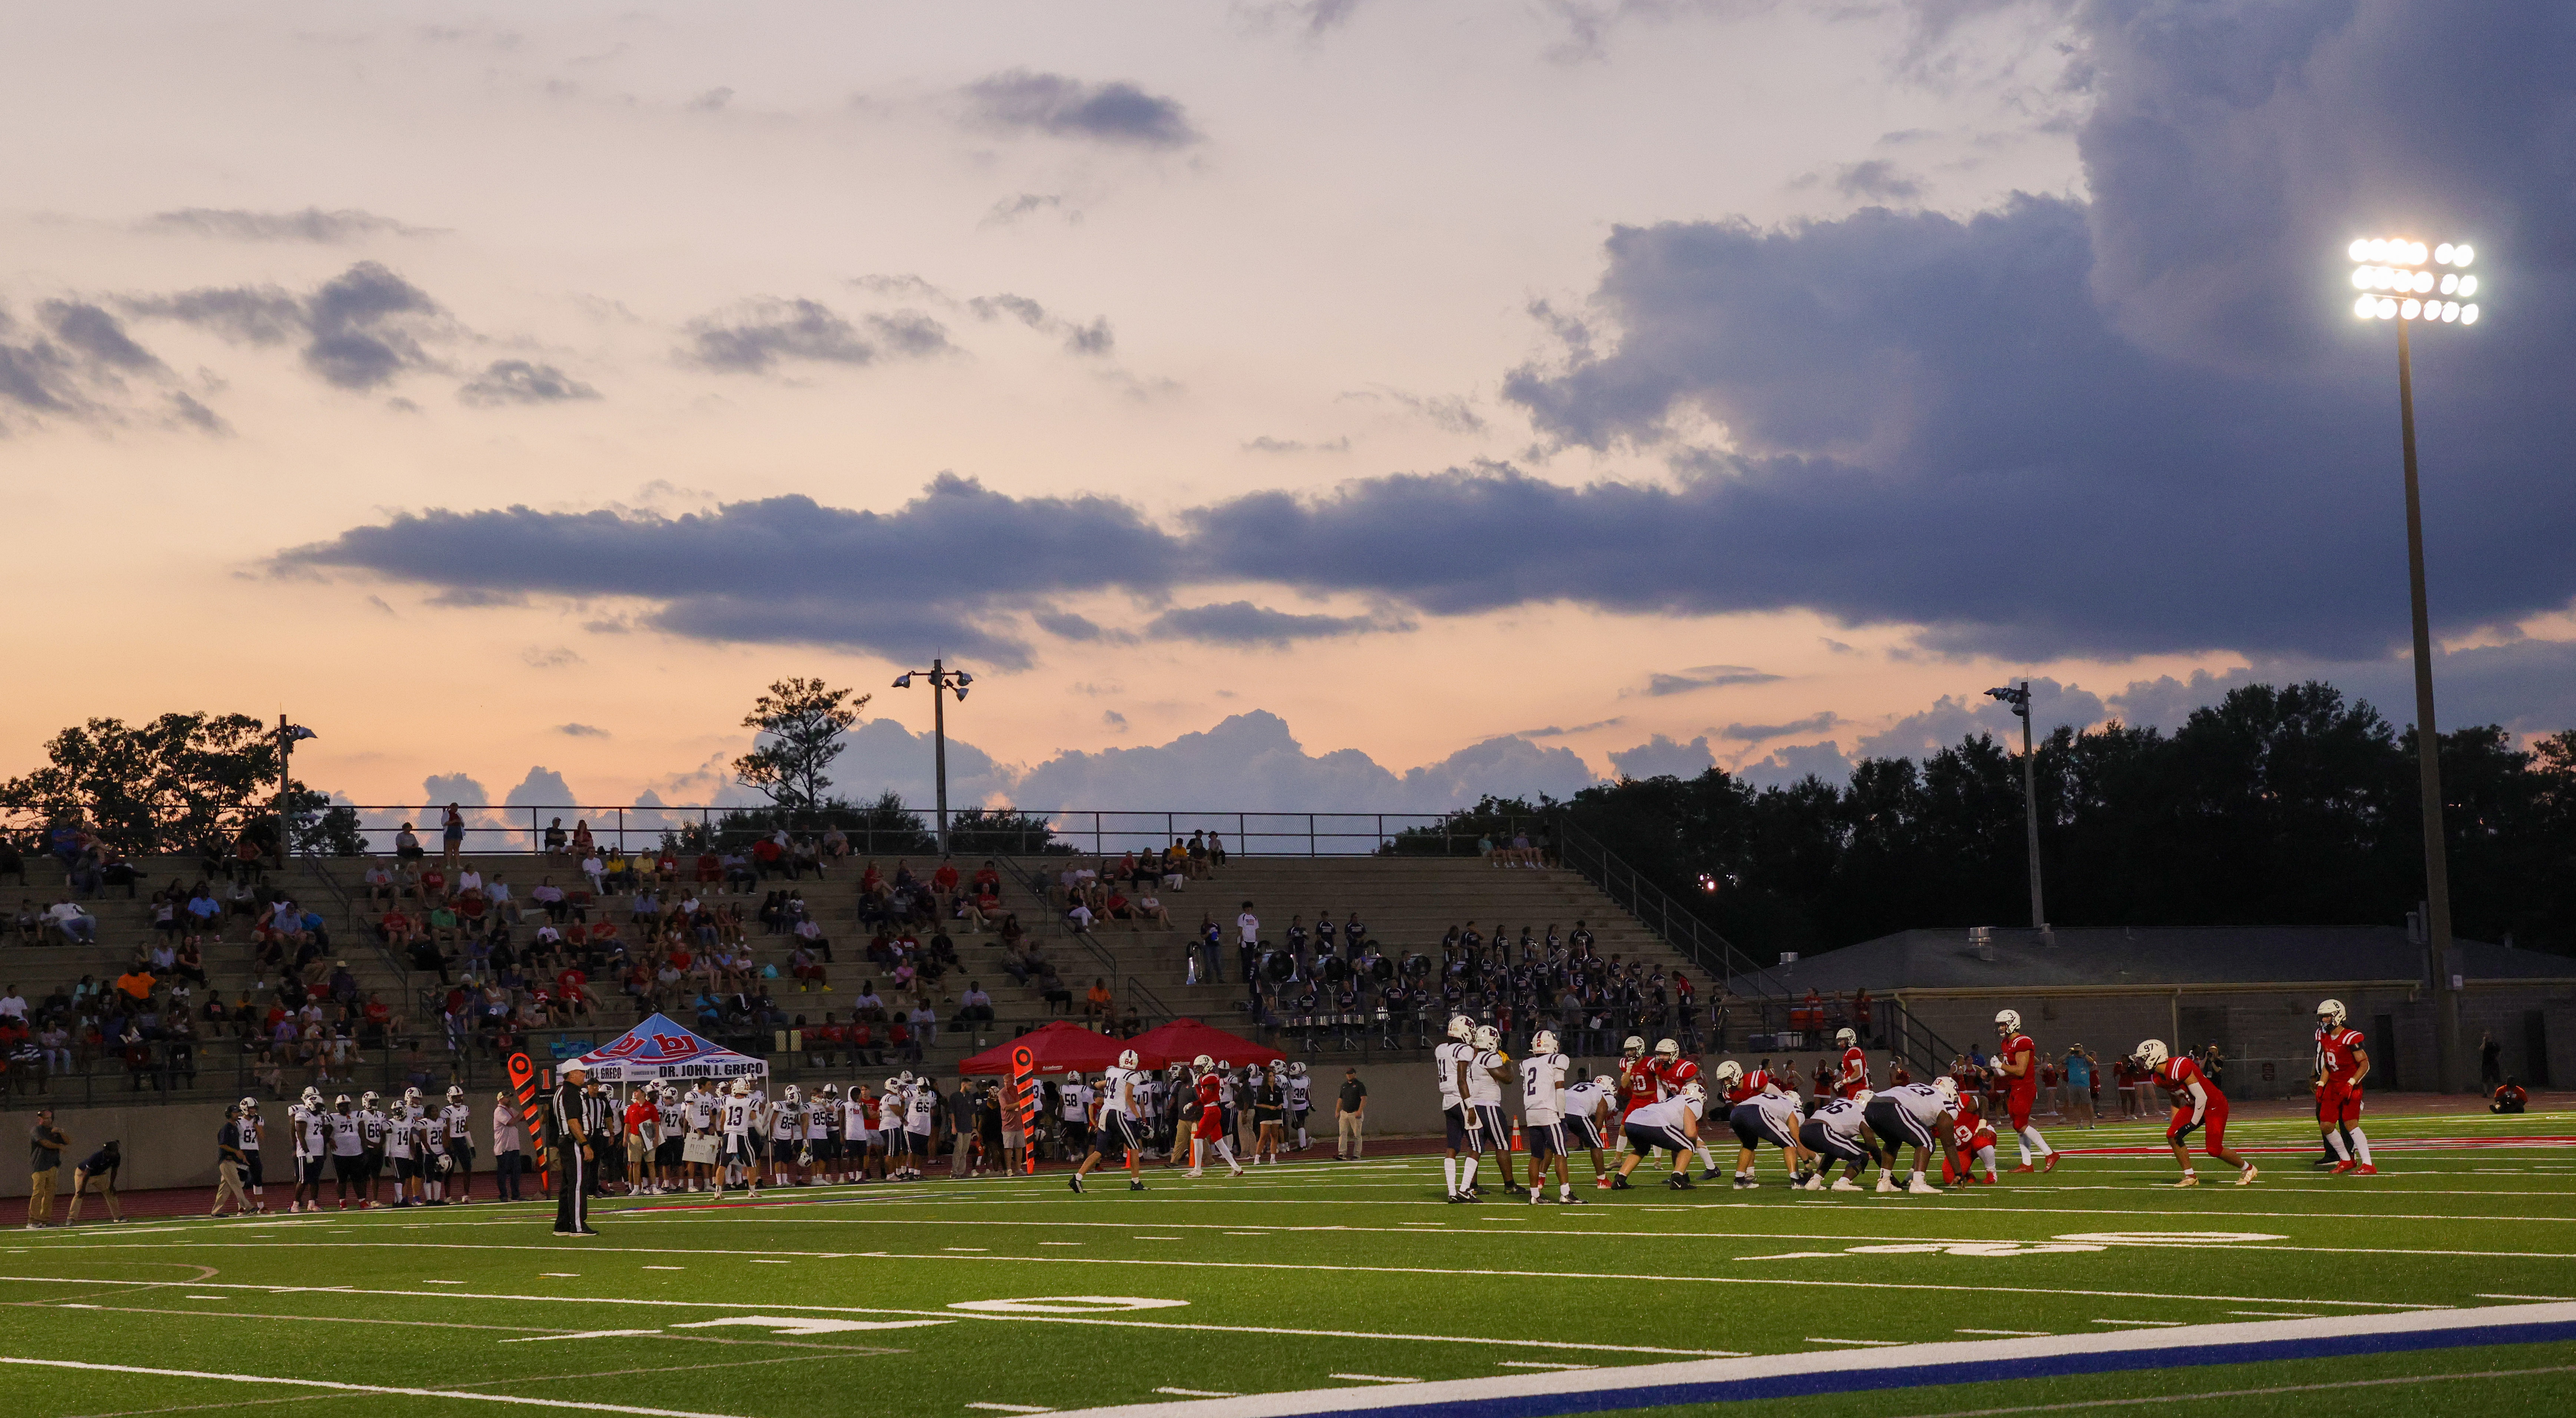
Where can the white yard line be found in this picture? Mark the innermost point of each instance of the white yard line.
(356, 1388)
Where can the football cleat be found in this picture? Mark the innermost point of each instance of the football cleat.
(2188, 1180)
(1844, 1184)
(2024, 1167)
(1074, 1182)
(1746, 1184)
(2365, 1170)
(1709, 1175)
(1621, 1184)
(1920, 1187)
(2048, 1163)
(1887, 1183)
(1813, 1184)
(2342, 1167)
(2246, 1177)
(1137, 1184)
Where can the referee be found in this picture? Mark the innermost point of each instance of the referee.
(578, 1116)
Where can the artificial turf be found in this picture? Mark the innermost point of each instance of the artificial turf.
(1313, 1276)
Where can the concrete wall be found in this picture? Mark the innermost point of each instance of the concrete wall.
(171, 1146)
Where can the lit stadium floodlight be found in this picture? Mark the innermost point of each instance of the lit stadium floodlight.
(2397, 282)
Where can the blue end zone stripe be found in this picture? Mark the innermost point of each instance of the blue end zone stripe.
(1599, 1400)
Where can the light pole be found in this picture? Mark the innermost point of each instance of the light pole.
(943, 682)
(286, 735)
(2397, 284)
(2019, 698)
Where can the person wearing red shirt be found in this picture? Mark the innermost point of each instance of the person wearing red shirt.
(944, 881)
(2198, 1105)
(2342, 1063)
(1210, 1127)
(1851, 1076)
(1672, 1072)
(2017, 1061)
(643, 1134)
(1976, 1139)
(710, 869)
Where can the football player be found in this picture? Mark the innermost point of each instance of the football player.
(348, 1149)
(2342, 1063)
(1589, 1112)
(786, 1134)
(1924, 1116)
(1851, 1076)
(1771, 1116)
(2017, 1059)
(1976, 1140)
(1300, 1102)
(735, 1159)
(1638, 1087)
(2198, 1106)
(1451, 1062)
(1674, 1125)
(400, 1131)
(702, 1110)
(1491, 1069)
(1672, 1071)
(1839, 1132)
(1543, 1099)
(892, 1110)
(1118, 1125)
(253, 1131)
(371, 1132)
(1207, 1128)
(310, 1124)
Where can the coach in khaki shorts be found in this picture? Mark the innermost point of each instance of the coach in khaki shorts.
(1348, 1110)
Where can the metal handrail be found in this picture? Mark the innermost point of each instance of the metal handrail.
(1657, 911)
(1036, 886)
(1912, 1038)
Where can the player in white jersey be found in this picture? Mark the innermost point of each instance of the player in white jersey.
(1839, 1132)
(701, 1109)
(786, 1128)
(1918, 1115)
(1672, 1124)
(1073, 1102)
(348, 1149)
(1489, 1071)
(1591, 1108)
(823, 1133)
(253, 1132)
(306, 1121)
(1451, 1062)
(670, 1141)
(1301, 1099)
(1543, 1115)
(457, 1137)
(920, 1119)
(1771, 1116)
(1118, 1124)
(371, 1131)
(736, 1160)
(893, 1107)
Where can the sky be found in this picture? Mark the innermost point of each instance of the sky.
(1348, 404)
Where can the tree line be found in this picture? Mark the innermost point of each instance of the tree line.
(2275, 806)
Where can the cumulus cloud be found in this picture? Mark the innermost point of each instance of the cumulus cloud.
(1954, 717)
(1252, 762)
(1660, 757)
(756, 336)
(332, 228)
(543, 787)
(1020, 100)
(360, 330)
(1796, 763)
(519, 381)
(459, 788)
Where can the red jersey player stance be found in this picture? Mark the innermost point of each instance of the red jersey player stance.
(1672, 1072)
(1209, 1130)
(1976, 1139)
(1851, 1076)
(2018, 1061)
(2342, 1063)
(2197, 1104)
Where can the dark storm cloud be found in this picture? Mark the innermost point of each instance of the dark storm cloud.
(754, 337)
(518, 381)
(1070, 108)
(787, 570)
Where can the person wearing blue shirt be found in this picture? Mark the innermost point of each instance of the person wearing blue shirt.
(2079, 1085)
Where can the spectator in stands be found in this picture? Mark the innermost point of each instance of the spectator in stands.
(76, 926)
(451, 832)
(836, 846)
(974, 1007)
(407, 845)
(549, 898)
(1096, 1000)
(1052, 988)
(556, 840)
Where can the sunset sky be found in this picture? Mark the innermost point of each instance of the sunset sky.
(1340, 404)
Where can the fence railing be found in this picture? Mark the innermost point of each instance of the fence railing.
(1655, 908)
(1149, 1005)
(877, 830)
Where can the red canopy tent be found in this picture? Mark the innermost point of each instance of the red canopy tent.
(1186, 1039)
(1060, 1047)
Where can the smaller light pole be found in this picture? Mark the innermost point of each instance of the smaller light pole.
(943, 682)
(2019, 698)
(286, 735)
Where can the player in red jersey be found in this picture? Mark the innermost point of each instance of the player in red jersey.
(1851, 1076)
(1209, 1131)
(2197, 1105)
(1976, 1139)
(1638, 1086)
(1673, 1073)
(2017, 1061)
(2342, 1063)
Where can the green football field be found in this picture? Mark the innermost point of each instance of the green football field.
(1313, 1287)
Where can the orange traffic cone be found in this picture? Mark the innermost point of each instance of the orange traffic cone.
(1516, 1134)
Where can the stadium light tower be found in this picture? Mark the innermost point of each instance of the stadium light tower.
(2398, 283)
(943, 682)
(2018, 696)
(287, 736)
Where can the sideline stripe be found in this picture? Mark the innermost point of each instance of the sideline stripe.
(1777, 1376)
(358, 1388)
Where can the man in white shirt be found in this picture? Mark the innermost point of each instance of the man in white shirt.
(13, 1005)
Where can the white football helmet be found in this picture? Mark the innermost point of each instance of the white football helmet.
(1729, 1072)
(1846, 1038)
(1862, 1097)
(742, 1088)
(831, 1090)
(1202, 1063)
(1486, 1037)
(250, 1105)
(1543, 1042)
(2152, 1053)
(455, 1093)
(1279, 1066)
(893, 1085)
(2007, 1023)
(2330, 1013)
(907, 1077)
(791, 1095)
(1297, 1069)
(312, 1097)
(1694, 1092)
(1667, 1049)
(1633, 1048)
(1225, 1066)
(340, 1102)
(446, 1163)
(368, 1100)
(411, 1096)
(1127, 1058)
(1948, 1088)
(1460, 1026)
